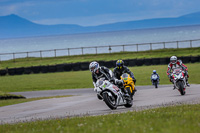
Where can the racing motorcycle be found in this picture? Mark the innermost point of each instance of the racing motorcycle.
(112, 95)
(128, 84)
(154, 80)
(179, 80)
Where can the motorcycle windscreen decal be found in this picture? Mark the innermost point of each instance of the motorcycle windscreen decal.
(116, 88)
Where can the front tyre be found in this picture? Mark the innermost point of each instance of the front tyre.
(156, 84)
(181, 88)
(129, 90)
(110, 101)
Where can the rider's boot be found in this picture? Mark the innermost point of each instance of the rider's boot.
(126, 95)
(174, 87)
(134, 91)
(134, 80)
(187, 83)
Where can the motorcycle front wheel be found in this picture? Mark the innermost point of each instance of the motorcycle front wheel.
(181, 88)
(129, 90)
(156, 84)
(111, 102)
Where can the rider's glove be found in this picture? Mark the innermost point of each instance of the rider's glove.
(112, 80)
(118, 82)
(95, 89)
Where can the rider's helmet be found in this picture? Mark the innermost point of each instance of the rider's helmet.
(120, 64)
(173, 59)
(154, 71)
(94, 66)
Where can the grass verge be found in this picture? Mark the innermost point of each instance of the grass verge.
(83, 79)
(16, 101)
(173, 119)
(25, 62)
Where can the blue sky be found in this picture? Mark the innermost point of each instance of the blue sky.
(96, 12)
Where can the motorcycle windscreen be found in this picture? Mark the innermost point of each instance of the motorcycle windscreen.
(154, 76)
(99, 83)
(125, 75)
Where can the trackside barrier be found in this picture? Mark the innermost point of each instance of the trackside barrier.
(85, 65)
(100, 49)
(27, 70)
(3, 72)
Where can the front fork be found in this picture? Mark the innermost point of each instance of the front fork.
(175, 83)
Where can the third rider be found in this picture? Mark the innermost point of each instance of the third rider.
(174, 63)
(121, 69)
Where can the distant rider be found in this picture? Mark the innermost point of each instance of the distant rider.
(174, 63)
(121, 69)
(155, 73)
(102, 72)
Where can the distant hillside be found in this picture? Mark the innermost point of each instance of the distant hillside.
(190, 19)
(13, 26)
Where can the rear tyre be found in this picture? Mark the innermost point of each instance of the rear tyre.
(111, 102)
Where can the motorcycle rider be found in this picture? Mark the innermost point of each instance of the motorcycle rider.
(174, 63)
(154, 73)
(121, 69)
(103, 72)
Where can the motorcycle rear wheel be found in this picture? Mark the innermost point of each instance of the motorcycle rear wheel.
(109, 101)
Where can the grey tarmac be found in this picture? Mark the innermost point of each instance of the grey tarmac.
(85, 103)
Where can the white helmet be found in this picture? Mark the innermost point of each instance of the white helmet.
(94, 66)
(173, 59)
(154, 71)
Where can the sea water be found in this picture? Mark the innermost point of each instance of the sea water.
(94, 40)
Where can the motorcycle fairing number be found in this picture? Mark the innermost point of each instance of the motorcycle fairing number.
(116, 88)
(154, 76)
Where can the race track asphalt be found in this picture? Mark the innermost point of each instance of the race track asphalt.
(84, 102)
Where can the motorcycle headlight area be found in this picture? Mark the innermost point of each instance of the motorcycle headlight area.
(99, 83)
(102, 83)
(179, 76)
(154, 76)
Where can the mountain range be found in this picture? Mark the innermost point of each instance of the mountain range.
(13, 26)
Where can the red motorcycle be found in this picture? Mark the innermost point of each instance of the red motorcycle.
(179, 80)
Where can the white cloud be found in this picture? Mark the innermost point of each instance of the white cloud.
(14, 8)
(95, 12)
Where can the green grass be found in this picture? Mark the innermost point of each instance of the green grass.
(25, 62)
(83, 79)
(173, 119)
(16, 101)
